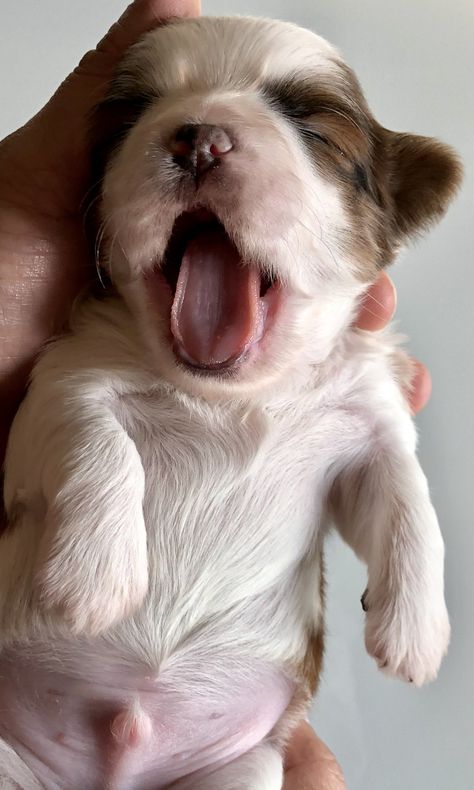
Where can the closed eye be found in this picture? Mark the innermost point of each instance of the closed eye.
(311, 134)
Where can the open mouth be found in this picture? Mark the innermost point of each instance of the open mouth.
(222, 306)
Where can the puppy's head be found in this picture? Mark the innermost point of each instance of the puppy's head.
(249, 197)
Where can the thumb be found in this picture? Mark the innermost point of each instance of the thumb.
(56, 138)
(309, 764)
(138, 18)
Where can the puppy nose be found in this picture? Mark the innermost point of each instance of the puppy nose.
(198, 148)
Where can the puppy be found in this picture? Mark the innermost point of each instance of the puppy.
(181, 453)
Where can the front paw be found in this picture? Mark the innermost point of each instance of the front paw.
(93, 585)
(407, 635)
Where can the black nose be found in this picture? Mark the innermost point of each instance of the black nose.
(198, 148)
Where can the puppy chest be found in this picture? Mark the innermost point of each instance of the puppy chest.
(231, 503)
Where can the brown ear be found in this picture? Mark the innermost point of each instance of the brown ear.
(424, 176)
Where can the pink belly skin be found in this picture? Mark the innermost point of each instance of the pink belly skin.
(83, 718)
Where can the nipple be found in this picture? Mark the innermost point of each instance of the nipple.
(132, 727)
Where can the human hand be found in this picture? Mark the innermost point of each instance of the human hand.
(376, 311)
(44, 178)
(309, 765)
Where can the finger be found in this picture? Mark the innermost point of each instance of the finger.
(58, 135)
(377, 308)
(309, 764)
(420, 388)
(378, 304)
(142, 15)
(137, 19)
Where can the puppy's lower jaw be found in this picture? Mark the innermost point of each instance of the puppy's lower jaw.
(220, 307)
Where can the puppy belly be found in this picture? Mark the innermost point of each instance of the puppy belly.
(88, 719)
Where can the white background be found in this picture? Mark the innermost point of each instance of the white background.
(415, 59)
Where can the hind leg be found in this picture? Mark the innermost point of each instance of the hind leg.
(14, 773)
(259, 769)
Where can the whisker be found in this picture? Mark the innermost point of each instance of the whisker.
(320, 238)
(88, 209)
(99, 276)
(99, 240)
(111, 250)
(89, 190)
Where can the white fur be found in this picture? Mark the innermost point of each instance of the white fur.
(181, 516)
(234, 509)
(255, 48)
(259, 769)
(14, 773)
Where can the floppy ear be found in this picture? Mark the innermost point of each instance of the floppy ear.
(423, 176)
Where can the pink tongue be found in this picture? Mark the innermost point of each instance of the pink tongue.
(216, 311)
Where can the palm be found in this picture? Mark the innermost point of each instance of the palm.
(44, 174)
(44, 255)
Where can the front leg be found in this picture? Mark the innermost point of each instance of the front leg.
(68, 449)
(382, 508)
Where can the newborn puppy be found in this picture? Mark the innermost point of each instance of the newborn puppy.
(175, 466)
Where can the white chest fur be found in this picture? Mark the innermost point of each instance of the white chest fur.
(234, 501)
(213, 512)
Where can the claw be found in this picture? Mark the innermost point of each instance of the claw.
(363, 600)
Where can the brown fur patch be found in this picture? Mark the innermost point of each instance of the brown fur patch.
(312, 664)
(313, 660)
(393, 185)
(423, 177)
(306, 675)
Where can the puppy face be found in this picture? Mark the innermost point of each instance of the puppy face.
(249, 198)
